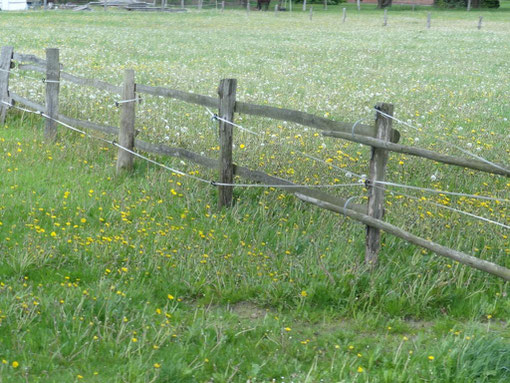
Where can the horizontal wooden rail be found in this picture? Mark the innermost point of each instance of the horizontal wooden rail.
(471, 163)
(310, 120)
(458, 256)
(67, 120)
(101, 85)
(302, 118)
(28, 58)
(161, 149)
(192, 98)
(21, 57)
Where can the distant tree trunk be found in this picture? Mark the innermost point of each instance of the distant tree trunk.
(383, 3)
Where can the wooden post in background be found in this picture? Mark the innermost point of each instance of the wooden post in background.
(222, 6)
(428, 20)
(52, 91)
(378, 163)
(344, 16)
(290, 5)
(127, 122)
(182, 3)
(227, 94)
(325, 5)
(358, 5)
(304, 5)
(311, 13)
(469, 5)
(480, 22)
(5, 67)
(385, 23)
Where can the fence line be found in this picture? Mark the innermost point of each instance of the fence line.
(347, 172)
(381, 137)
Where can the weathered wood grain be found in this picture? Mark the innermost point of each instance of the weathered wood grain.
(378, 162)
(52, 92)
(227, 94)
(125, 159)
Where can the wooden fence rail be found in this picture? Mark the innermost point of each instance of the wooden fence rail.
(380, 136)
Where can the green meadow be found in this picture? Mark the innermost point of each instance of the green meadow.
(141, 277)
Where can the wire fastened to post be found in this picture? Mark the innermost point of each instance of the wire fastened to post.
(215, 117)
(118, 103)
(50, 81)
(356, 124)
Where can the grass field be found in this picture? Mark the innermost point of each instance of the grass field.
(140, 278)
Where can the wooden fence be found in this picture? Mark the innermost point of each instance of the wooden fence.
(380, 136)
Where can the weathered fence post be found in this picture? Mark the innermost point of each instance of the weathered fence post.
(5, 67)
(127, 122)
(480, 22)
(469, 5)
(358, 5)
(105, 5)
(222, 6)
(428, 20)
(45, 4)
(304, 5)
(199, 5)
(344, 16)
(325, 5)
(182, 3)
(276, 10)
(290, 5)
(227, 94)
(52, 91)
(378, 163)
(311, 13)
(248, 7)
(385, 23)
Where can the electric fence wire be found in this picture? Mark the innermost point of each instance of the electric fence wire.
(213, 183)
(350, 173)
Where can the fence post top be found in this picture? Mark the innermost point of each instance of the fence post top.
(384, 107)
(227, 86)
